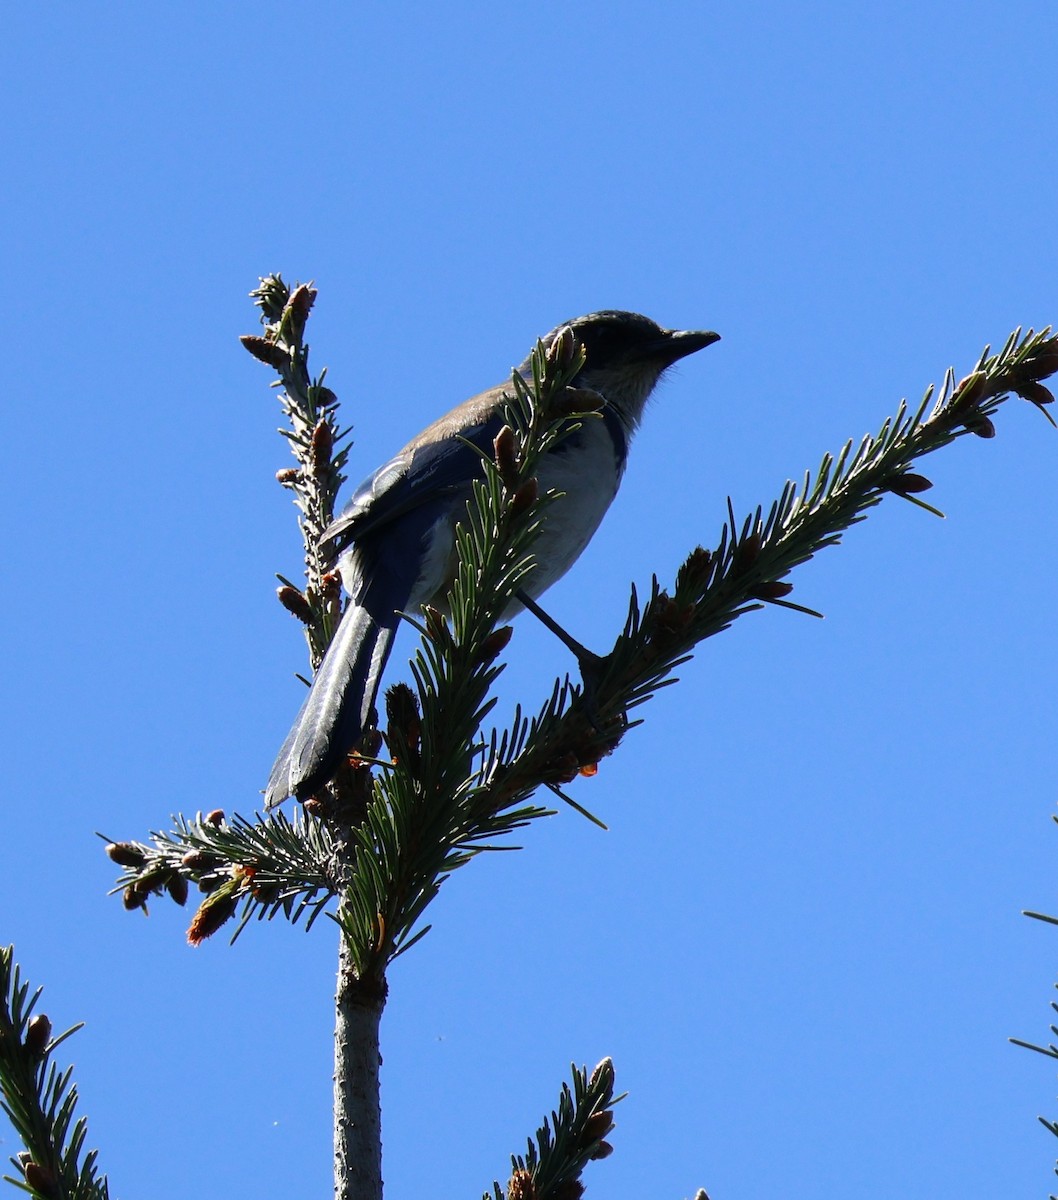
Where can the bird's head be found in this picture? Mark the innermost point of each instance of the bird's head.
(626, 354)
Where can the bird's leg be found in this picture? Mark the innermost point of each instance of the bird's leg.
(590, 663)
(582, 654)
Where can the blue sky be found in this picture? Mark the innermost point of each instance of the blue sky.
(800, 940)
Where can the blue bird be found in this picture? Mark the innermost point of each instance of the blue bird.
(395, 539)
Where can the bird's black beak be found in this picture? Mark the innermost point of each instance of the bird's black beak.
(678, 343)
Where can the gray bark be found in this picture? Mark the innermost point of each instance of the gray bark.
(357, 1112)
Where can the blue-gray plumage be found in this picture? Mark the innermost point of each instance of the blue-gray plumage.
(396, 536)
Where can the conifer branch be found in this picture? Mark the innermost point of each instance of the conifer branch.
(574, 1135)
(747, 568)
(384, 841)
(1051, 1049)
(466, 804)
(425, 819)
(268, 866)
(451, 791)
(320, 448)
(40, 1099)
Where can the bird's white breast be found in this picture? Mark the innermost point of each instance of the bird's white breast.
(587, 471)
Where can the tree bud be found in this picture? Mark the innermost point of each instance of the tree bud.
(747, 551)
(370, 743)
(696, 570)
(301, 301)
(524, 497)
(265, 351)
(577, 400)
(981, 427)
(176, 886)
(968, 391)
(598, 1125)
(199, 860)
(40, 1179)
(563, 349)
(38, 1034)
(211, 915)
(503, 448)
(908, 483)
(670, 617)
(563, 769)
(771, 589)
(602, 1078)
(436, 627)
(1035, 393)
(494, 644)
(126, 854)
(1041, 363)
(402, 713)
(322, 444)
(521, 1186)
(295, 602)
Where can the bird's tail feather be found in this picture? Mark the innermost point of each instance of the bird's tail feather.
(337, 706)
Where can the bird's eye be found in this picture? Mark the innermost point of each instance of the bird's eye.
(602, 343)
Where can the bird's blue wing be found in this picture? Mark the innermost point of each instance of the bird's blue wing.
(439, 462)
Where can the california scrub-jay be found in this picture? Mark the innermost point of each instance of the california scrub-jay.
(396, 536)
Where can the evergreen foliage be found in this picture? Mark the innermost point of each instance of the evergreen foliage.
(373, 848)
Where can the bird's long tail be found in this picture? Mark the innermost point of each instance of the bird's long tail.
(340, 700)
